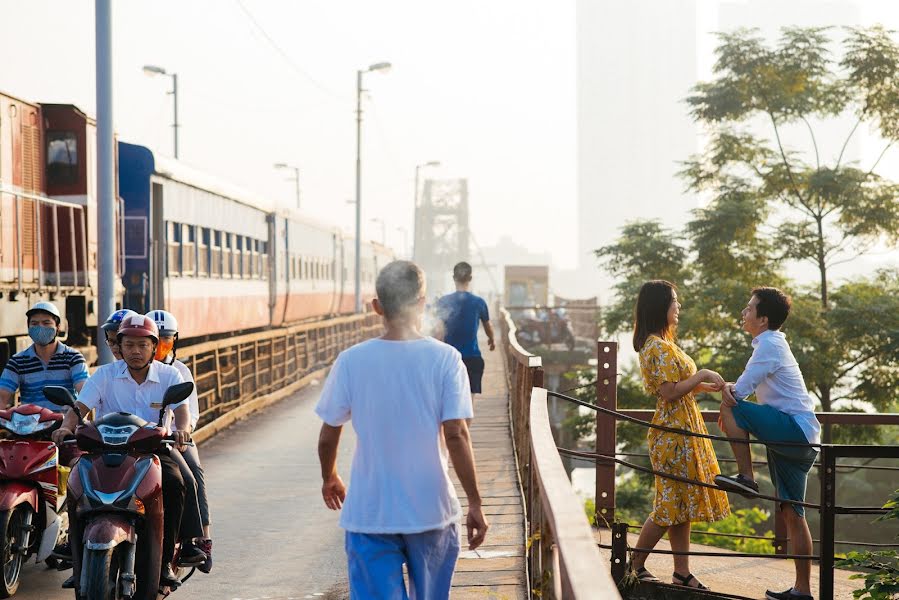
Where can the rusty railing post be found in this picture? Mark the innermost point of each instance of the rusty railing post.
(828, 474)
(606, 397)
(619, 551)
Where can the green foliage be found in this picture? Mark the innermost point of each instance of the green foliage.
(742, 521)
(881, 574)
(770, 204)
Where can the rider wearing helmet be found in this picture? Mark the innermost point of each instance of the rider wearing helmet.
(165, 353)
(46, 362)
(111, 328)
(136, 384)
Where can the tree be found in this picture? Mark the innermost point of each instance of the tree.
(770, 204)
(819, 211)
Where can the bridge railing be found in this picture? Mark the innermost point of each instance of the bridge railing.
(563, 559)
(233, 371)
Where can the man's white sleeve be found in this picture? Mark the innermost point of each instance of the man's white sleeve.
(91, 393)
(762, 363)
(456, 399)
(334, 403)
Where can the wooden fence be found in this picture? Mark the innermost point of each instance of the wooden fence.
(563, 558)
(234, 371)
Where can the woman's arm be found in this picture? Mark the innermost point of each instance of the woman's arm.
(672, 391)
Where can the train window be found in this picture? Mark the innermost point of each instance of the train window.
(189, 252)
(203, 253)
(62, 157)
(135, 237)
(173, 241)
(247, 258)
(263, 259)
(226, 255)
(215, 268)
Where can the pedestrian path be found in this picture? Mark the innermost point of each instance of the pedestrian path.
(495, 570)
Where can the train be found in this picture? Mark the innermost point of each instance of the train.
(219, 257)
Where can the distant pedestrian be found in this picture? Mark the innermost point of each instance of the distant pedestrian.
(401, 391)
(461, 314)
(46, 362)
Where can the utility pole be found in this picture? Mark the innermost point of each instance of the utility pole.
(106, 230)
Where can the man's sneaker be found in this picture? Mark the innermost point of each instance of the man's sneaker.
(740, 484)
(787, 595)
(190, 555)
(69, 583)
(205, 545)
(167, 576)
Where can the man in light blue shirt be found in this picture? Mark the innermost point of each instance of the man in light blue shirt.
(784, 412)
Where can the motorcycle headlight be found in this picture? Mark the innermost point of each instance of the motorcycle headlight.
(25, 424)
(116, 436)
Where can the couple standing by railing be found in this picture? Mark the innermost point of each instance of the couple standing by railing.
(783, 413)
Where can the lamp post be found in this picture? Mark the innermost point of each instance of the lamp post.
(430, 163)
(152, 71)
(296, 177)
(381, 66)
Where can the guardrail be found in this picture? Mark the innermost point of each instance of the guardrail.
(606, 457)
(233, 372)
(562, 557)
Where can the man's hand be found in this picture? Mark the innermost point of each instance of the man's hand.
(181, 438)
(334, 492)
(727, 395)
(492, 344)
(476, 524)
(60, 435)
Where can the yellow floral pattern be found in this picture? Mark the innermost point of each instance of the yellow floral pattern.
(685, 456)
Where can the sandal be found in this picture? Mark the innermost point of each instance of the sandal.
(678, 579)
(644, 575)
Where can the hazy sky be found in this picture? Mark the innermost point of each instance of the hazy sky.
(487, 88)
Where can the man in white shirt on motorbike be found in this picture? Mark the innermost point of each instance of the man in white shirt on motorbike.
(136, 385)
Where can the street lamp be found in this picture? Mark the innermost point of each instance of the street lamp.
(296, 177)
(381, 66)
(431, 163)
(152, 71)
(383, 229)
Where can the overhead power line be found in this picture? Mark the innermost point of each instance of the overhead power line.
(297, 68)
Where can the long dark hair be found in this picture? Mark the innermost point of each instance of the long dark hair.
(651, 312)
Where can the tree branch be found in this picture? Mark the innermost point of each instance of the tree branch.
(814, 142)
(783, 155)
(849, 137)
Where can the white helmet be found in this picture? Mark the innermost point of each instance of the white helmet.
(165, 321)
(47, 307)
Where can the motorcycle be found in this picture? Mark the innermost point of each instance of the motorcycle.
(115, 495)
(551, 328)
(33, 519)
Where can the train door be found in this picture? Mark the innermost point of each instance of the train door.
(158, 246)
(273, 251)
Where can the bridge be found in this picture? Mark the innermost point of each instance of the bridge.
(275, 539)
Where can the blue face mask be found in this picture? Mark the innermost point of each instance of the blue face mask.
(42, 335)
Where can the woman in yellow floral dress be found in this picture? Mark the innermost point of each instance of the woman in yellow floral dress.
(671, 376)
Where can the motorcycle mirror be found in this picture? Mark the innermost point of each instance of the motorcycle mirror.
(177, 393)
(59, 395)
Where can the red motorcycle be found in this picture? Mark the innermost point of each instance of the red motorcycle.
(33, 519)
(115, 493)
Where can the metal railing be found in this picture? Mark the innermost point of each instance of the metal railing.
(606, 458)
(234, 371)
(562, 557)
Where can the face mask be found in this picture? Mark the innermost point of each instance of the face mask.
(42, 335)
(163, 349)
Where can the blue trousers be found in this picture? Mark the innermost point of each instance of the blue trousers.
(375, 564)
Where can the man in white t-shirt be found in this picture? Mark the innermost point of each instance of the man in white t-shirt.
(783, 417)
(404, 393)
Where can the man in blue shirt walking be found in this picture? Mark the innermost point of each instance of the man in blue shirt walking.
(461, 313)
(46, 362)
